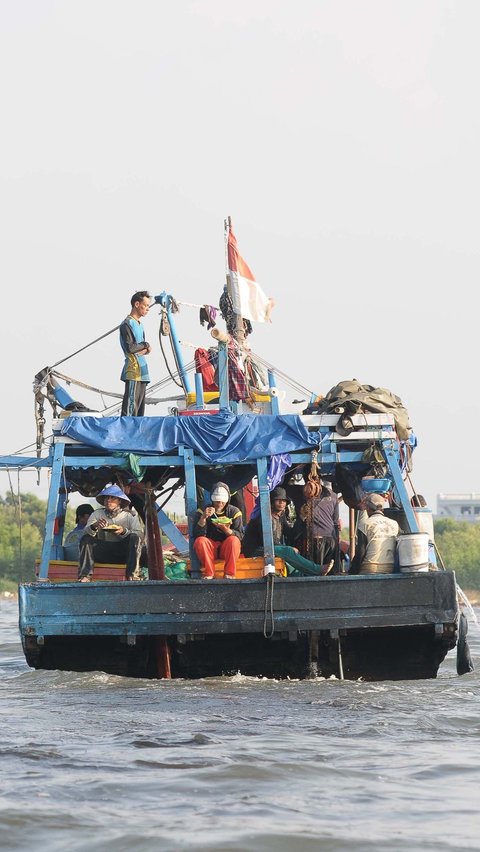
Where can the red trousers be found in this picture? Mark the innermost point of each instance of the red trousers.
(208, 550)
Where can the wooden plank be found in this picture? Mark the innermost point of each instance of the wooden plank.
(224, 606)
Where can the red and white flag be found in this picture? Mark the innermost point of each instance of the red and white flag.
(249, 300)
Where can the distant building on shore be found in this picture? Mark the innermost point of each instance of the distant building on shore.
(459, 507)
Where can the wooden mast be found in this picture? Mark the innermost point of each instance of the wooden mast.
(156, 571)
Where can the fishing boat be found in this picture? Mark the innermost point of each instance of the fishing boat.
(228, 426)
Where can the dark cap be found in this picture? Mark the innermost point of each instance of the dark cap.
(278, 494)
(83, 509)
(374, 501)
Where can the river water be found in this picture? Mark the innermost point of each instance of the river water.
(97, 762)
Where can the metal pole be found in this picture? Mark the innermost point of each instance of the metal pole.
(340, 661)
(400, 486)
(165, 301)
(53, 497)
(274, 405)
(200, 401)
(351, 532)
(265, 512)
(191, 505)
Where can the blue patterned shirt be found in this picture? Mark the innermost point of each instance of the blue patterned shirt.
(132, 340)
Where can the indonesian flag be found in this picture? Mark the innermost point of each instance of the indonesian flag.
(249, 300)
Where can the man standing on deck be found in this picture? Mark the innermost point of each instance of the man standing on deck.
(135, 370)
(318, 523)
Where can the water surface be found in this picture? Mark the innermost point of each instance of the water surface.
(97, 762)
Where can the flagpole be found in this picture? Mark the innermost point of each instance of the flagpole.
(239, 333)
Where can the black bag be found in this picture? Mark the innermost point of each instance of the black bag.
(348, 483)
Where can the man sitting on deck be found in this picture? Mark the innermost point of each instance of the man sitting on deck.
(113, 534)
(71, 544)
(283, 536)
(217, 533)
(376, 540)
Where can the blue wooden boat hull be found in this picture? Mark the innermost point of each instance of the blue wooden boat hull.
(375, 626)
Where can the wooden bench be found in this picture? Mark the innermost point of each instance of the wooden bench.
(62, 571)
(249, 568)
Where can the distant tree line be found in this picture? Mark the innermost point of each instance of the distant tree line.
(22, 519)
(458, 543)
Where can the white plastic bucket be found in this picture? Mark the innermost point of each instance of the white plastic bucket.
(424, 518)
(412, 550)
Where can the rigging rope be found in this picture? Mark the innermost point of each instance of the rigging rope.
(11, 490)
(192, 305)
(73, 381)
(85, 347)
(20, 520)
(268, 611)
(173, 376)
(467, 603)
(294, 384)
(83, 385)
(164, 325)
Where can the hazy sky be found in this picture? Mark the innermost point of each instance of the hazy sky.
(342, 137)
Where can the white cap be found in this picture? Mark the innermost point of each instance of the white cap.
(220, 493)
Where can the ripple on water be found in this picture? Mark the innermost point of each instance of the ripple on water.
(97, 762)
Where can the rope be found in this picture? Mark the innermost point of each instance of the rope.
(20, 521)
(172, 490)
(28, 447)
(117, 395)
(187, 368)
(39, 410)
(340, 660)
(442, 563)
(85, 347)
(83, 385)
(11, 491)
(293, 384)
(150, 401)
(460, 593)
(192, 305)
(268, 611)
(412, 487)
(311, 489)
(467, 603)
(282, 375)
(165, 320)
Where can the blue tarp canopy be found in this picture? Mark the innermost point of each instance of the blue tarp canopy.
(219, 438)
